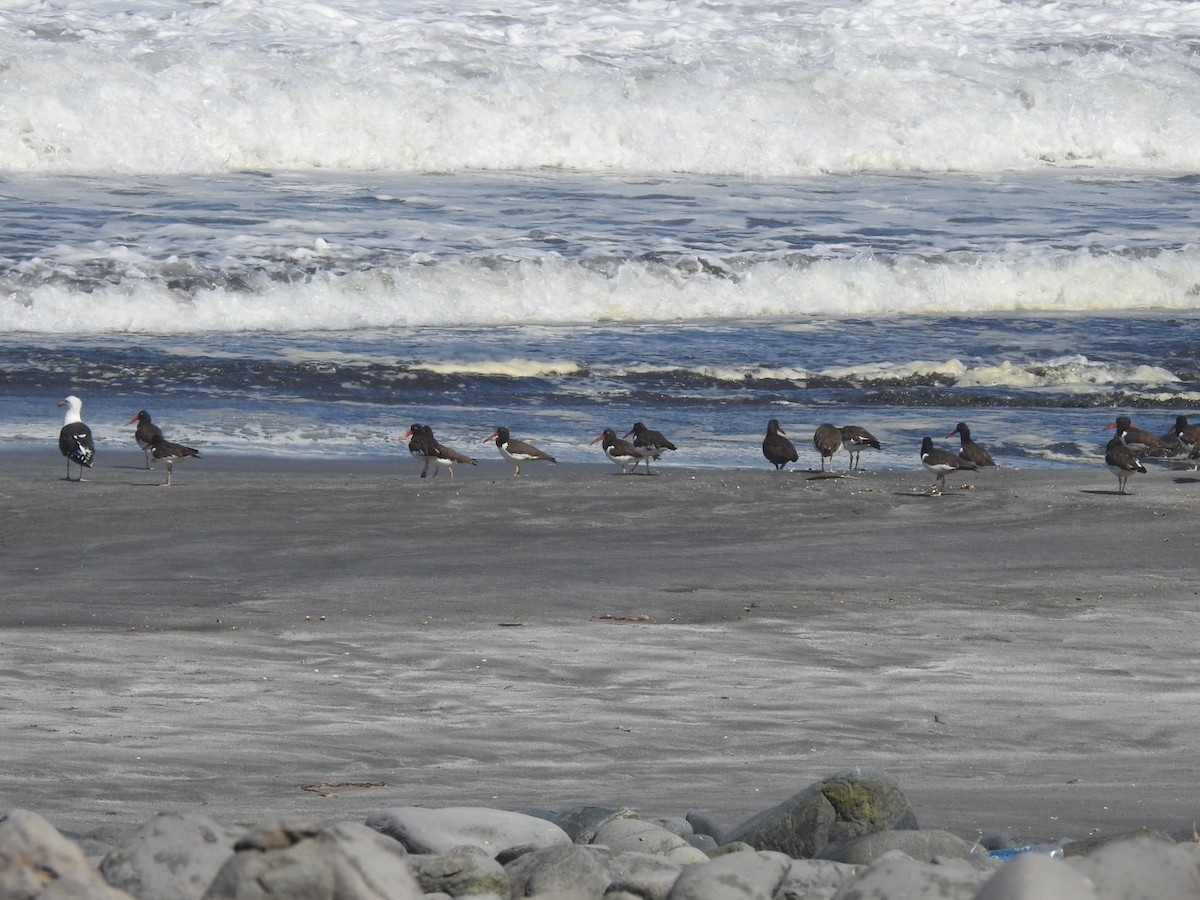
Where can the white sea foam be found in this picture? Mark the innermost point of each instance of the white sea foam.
(745, 87)
(559, 291)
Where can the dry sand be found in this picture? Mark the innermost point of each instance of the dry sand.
(328, 638)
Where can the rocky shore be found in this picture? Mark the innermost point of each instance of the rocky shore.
(849, 836)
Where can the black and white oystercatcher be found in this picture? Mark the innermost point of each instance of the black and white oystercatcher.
(420, 446)
(828, 441)
(172, 453)
(620, 451)
(857, 439)
(1141, 441)
(941, 463)
(433, 451)
(516, 452)
(74, 438)
(972, 451)
(652, 443)
(444, 456)
(1184, 436)
(777, 448)
(145, 433)
(1120, 459)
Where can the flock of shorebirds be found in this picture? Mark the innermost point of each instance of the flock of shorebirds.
(1121, 455)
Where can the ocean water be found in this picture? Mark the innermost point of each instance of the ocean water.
(297, 227)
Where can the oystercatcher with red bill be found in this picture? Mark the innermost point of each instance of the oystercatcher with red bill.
(827, 440)
(777, 448)
(856, 439)
(420, 446)
(75, 438)
(652, 443)
(1120, 459)
(517, 452)
(429, 450)
(971, 451)
(1140, 441)
(144, 434)
(172, 453)
(620, 451)
(942, 463)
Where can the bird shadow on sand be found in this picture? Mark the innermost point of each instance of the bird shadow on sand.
(1108, 493)
(1195, 479)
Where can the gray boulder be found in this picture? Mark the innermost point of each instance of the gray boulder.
(922, 845)
(702, 823)
(567, 869)
(645, 875)
(639, 836)
(582, 822)
(38, 862)
(305, 860)
(1143, 868)
(459, 874)
(735, 876)
(897, 876)
(172, 855)
(1036, 876)
(845, 805)
(815, 879)
(501, 834)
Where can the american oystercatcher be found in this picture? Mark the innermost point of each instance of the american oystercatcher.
(972, 451)
(74, 438)
(516, 452)
(620, 451)
(652, 443)
(172, 453)
(777, 448)
(1185, 436)
(827, 439)
(942, 463)
(1120, 459)
(145, 432)
(1139, 440)
(427, 448)
(857, 439)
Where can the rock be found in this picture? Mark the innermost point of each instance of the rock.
(897, 876)
(1035, 876)
(503, 835)
(172, 855)
(38, 862)
(305, 860)
(735, 876)
(643, 875)
(582, 822)
(815, 878)
(459, 874)
(674, 824)
(845, 805)
(703, 824)
(702, 842)
(1143, 868)
(735, 847)
(646, 837)
(1088, 845)
(922, 845)
(566, 868)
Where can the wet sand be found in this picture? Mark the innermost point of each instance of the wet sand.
(328, 638)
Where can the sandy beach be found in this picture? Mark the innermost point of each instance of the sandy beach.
(319, 637)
